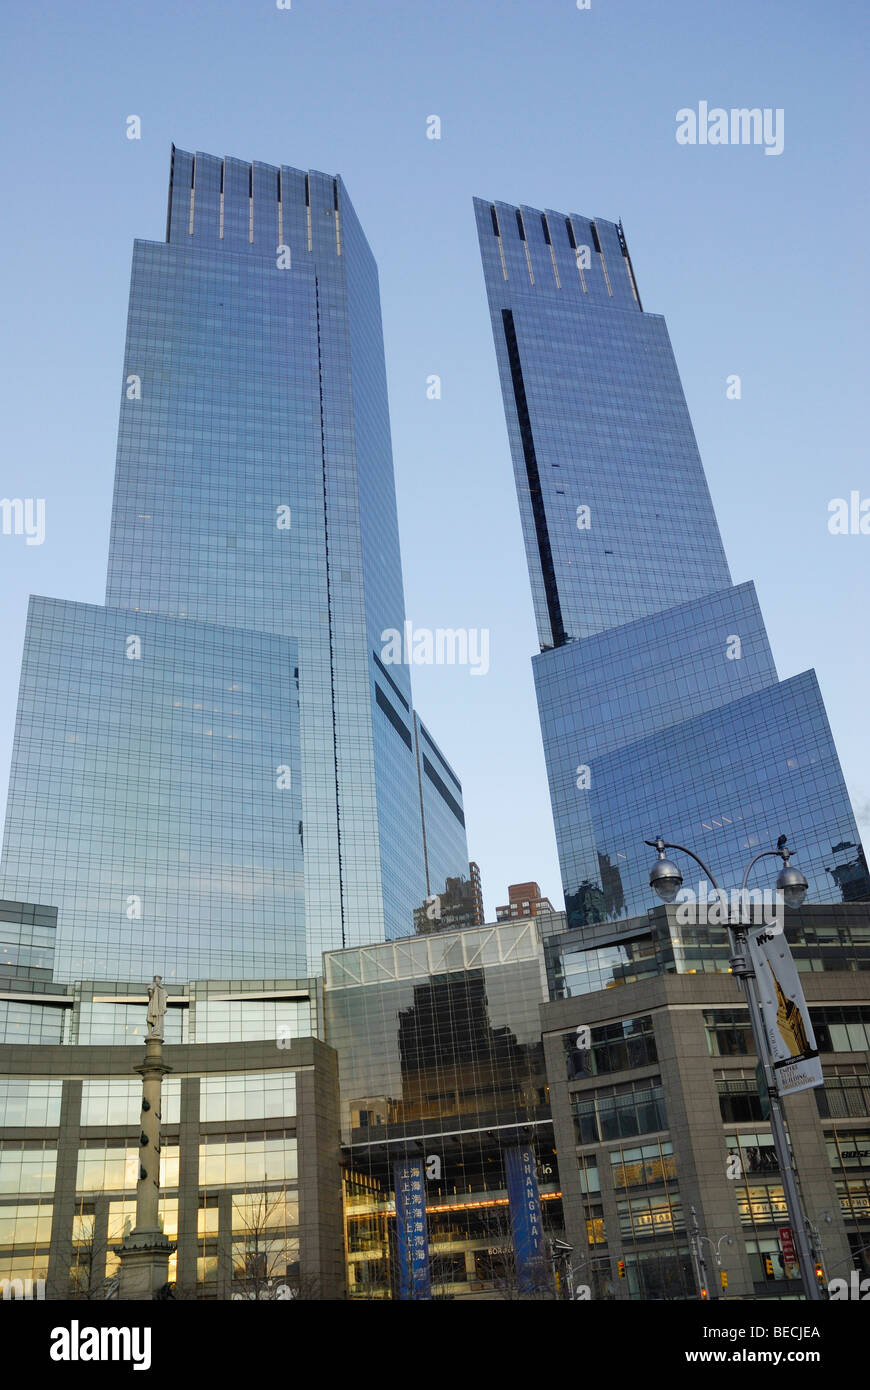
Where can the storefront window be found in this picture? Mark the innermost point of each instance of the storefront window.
(644, 1165)
(642, 1215)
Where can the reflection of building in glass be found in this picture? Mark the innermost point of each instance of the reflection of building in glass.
(586, 903)
(611, 886)
(458, 905)
(441, 1062)
(485, 1064)
(850, 873)
(660, 705)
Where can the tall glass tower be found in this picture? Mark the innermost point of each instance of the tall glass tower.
(659, 700)
(216, 771)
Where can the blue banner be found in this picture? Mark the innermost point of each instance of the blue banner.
(412, 1237)
(527, 1226)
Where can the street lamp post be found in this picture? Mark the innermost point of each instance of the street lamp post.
(698, 1257)
(813, 1228)
(591, 1261)
(560, 1254)
(666, 880)
(848, 1260)
(716, 1247)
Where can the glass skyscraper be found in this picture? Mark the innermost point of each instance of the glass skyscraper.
(216, 774)
(660, 706)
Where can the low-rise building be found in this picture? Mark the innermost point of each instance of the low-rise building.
(658, 1118)
(524, 900)
(250, 1187)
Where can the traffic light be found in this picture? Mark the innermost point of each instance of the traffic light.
(768, 1266)
(820, 1274)
(704, 1294)
(620, 1268)
(723, 1279)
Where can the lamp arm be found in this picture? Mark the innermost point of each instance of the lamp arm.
(661, 844)
(777, 853)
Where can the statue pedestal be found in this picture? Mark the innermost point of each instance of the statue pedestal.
(144, 1264)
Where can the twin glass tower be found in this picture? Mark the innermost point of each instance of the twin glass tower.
(214, 773)
(659, 701)
(217, 775)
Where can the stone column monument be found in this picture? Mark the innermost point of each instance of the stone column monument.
(145, 1250)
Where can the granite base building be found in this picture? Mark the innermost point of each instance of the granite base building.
(658, 1118)
(250, 1190)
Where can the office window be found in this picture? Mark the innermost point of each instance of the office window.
(248, 1096)
(739, 1099)
(614, 1047)
(728, 1033)
(845, 1094)
(30, 1103)
(615, 1112)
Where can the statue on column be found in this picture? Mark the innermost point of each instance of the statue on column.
(145, 1250)
(157, 997)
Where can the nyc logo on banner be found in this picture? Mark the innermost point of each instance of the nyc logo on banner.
(784, 1011)
(527, 1226)
(412, 1237)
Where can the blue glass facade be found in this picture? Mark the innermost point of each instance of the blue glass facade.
(254, 512)
(727, 783)
(156, 794)
(659, 701)
(440, 806)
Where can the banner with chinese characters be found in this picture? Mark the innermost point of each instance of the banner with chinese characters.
(412, 1238)
(526, 1225)
(790, 1038)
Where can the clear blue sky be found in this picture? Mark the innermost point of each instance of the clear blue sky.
(758, 263)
